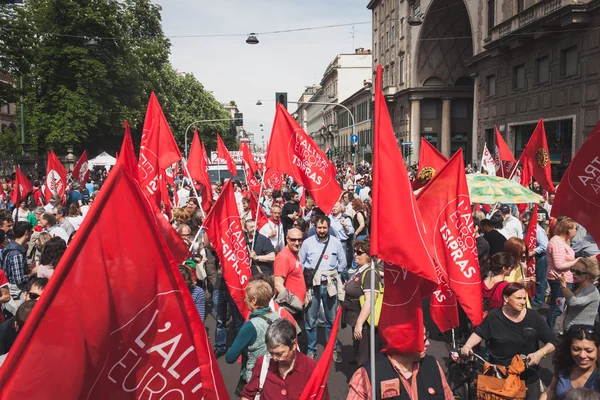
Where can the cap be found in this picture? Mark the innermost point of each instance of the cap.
(505, 208)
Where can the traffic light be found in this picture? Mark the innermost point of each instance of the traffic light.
(238, 119)
(353, 150)
(281, 97)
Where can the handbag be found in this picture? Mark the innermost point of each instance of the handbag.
(309, 274)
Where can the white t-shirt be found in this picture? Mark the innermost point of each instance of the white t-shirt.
(183, 195)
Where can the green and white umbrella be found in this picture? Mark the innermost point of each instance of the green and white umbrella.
(490, 189)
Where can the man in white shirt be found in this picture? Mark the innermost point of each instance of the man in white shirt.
(52, 203)
(273, 229)
(365, 193)
(183, 194)
(50, 225)
(549, 203)
(267, 201)
(511, 225)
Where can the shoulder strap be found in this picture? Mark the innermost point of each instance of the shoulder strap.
(322, 253)
(263, 374)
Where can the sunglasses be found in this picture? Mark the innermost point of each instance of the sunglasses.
(577, 272)
(295, 239)
(34, 296)
(586, 328)
(359, 252)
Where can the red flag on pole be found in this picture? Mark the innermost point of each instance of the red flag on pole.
(223, 154)
(401, 321)
(196, 164)
(536, 158)
(56, 177)
(293, 152)
(531, 243)
(158, 150)
(80, 170)
(224, 229)
(431, 161)
(503, 158)
(140, 338)
(273, 179)
(128, 153)
(578, 195)
(21, 187)
(316, 386)
(446, 209)
(262, 217)
(248, 157)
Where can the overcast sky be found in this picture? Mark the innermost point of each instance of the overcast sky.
(287, 62)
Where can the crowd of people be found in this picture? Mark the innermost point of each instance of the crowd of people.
(306, 263)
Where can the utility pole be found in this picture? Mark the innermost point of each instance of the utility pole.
(22, 118)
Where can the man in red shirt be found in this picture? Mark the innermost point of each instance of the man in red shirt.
(289, 282)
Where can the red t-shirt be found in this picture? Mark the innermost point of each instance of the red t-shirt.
(288, 266)
(3, 283)
(493, 296)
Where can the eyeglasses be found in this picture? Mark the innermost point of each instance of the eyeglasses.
(577, 272)
(359, 252)
(34, 296)
(295, 239)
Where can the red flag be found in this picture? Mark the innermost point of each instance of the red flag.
(408, 260)
(158, 150)
(446, 209)
(503, 158)
(251, 180)
(316, 386)
(578, 195)
(139, 338)
(431, 161)
(21, 187)
(224, 229)
(262, 218)
(164, 195)
(80, 170)
(536, 158)
(128, 153)
(196, 163)
(248, 157)
(293, 152)
(56, 177)
(223, 154)
(273, 179)
(531, 243)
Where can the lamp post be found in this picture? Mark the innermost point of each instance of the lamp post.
(198, 122)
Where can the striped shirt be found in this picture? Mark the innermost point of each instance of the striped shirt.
(559, 252)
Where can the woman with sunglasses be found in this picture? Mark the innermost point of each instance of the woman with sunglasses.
(356, 315)
(516, 247)
(575, 363)
(582, 303)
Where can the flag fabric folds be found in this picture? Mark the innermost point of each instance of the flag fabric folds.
(223, 154)
(293, 152)
(578, 195)
(158, 150)
(430, 162)
(262, 218)
(248, 157)
(446, 210)
(21, 187)
(487, 161)
(317, 383)
(197, 164)
(128, 153)
(250, 167)
(531, 243)
(409, 264)
(536, 159)
(224, 229)
(129, 330)
(56, 177)
(503, 158)
(80, 170)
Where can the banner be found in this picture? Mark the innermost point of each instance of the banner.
(531, 243)
(487, 161)
(578, 195)
(21, 188)
(503, 159)
(119, 302)
(56, 177)
(224, 229)
(293, 152)
(430, 162)
(446, 210)
(80, 170)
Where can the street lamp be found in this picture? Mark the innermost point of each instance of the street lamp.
(252, 39)
(259, 103)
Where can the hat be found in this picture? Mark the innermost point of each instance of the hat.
(504, 208)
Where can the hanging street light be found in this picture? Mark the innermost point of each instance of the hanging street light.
(252, 39)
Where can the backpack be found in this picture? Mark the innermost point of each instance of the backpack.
(378, 300)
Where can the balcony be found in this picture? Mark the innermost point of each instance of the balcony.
(553, 14)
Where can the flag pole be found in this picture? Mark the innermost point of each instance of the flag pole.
(372, 330)
(262, 183)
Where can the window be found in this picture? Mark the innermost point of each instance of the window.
(520, 5)
(491, 85)
(417, 8)
(568, 61)
(393, 35)
(491, 17)
(401, 27)
(519, 77)
(542, 70)
(429, 109)
(402, 113)
(375, 50)
(392, 70)
(401, 70)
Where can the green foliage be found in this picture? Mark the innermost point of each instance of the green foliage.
(10, 143)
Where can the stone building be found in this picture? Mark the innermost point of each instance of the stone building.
(454, 69)
(361, 106)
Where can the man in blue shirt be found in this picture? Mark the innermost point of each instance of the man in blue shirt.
(324, 286)
(342, 225)
(541, 261)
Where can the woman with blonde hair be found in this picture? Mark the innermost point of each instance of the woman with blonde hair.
(180, 217)
(561, 258)
(516, 247)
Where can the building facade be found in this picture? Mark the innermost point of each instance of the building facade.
(455, 69)
(360, 105)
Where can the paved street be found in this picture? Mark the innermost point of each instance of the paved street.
(340, 374)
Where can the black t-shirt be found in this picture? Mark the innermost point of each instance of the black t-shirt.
(8, 335)
(496, 241)
(289, 208)
(504, 337)
(354, 290)
(262, 247)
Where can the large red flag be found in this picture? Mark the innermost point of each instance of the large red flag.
(409, 264)
(431, 161)
(128, 153)
(293, 152)
(21, 187)
(224, 229)
(80, 170)
(248, 157)
(129, 330)
(446, 209)
(56, 177)
(262, 218)
(536, 158)
(158, 150)
(317, 383)
(196, 164)
(503, 158)
(531, 243)
(578, 195)
(223, 154)
(273, 179)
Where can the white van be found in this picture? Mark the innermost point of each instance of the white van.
(217, 172)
